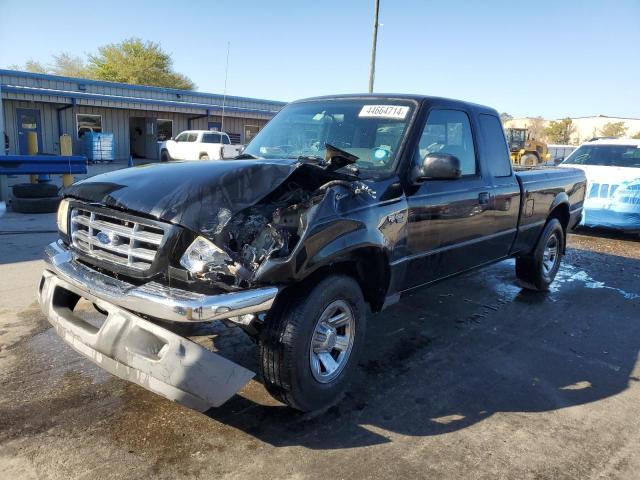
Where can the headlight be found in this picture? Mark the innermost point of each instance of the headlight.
(63, 216)
(202, 252)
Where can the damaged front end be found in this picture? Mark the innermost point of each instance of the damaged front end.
(233, 251)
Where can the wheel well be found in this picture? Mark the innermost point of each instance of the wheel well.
(203, 154)
(561, 212)
(368, 266)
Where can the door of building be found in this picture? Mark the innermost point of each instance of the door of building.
(28, 120)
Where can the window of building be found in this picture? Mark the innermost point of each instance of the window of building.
(250, 131)
(88, 123)
(236, 138)
(210, 138)
(498, 159)
(165, 129)
(215, 126)
(449, 131)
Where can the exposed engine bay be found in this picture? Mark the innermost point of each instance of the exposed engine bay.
(269, 229)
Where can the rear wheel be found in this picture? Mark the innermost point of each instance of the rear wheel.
(204, 156)
(164, 156)
(529, 160)
(537, 270)
(309, 346)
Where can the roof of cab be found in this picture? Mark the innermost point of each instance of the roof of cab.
(404, 96)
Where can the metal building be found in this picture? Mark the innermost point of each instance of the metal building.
(138, 116)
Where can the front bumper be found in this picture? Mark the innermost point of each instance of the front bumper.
(136, 349)
(614, 219)
(154, 299)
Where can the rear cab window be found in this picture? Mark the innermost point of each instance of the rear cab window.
(495, 153)
(211, 138)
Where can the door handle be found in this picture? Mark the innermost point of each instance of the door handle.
(484, 198)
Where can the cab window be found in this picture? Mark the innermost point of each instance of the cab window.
(449, 131)
(211, 138)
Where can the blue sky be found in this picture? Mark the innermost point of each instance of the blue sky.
(549, 58)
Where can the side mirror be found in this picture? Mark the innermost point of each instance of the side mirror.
(440, 166)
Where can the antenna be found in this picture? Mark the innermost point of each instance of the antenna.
(374, 43)
(224, 96)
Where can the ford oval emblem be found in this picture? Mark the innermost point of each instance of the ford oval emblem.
(104, 238)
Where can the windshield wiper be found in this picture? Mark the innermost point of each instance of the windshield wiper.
(245, 156)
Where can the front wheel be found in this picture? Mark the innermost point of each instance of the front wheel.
(537, 270)
(204, 156)
(310, 346)
(164, 156)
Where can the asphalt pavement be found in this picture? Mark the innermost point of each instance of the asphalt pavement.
(471, 378)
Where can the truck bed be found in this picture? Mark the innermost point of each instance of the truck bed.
(542, 189)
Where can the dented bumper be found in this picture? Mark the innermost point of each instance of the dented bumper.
(138, 350)
(154, 299)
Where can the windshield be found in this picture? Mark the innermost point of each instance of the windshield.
(606, 155)
(372, 130)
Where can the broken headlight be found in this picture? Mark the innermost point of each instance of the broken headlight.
(201, 253)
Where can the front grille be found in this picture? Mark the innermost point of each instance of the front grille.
(602, 190)
(128, 241)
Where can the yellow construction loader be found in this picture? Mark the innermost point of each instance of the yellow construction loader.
(526, 151)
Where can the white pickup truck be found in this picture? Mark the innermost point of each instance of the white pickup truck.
(199, 145)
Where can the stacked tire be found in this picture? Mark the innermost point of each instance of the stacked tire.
(35, 198)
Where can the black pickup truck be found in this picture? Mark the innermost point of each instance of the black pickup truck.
(339, 204)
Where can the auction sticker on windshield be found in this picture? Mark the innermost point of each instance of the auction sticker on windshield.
(384, 111)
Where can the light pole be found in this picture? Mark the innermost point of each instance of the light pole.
(372, 65)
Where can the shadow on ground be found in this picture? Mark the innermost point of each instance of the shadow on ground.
(450, 356)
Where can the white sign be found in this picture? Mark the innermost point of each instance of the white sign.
(397, 112)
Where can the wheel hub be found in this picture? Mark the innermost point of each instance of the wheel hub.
(332, 341)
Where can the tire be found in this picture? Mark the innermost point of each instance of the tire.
(35, 205)
(537, 270)
(204, 156)
(164, 156)
(290, 366)
(35, 190)
(529, 160)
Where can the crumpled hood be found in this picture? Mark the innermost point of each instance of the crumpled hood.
(186, 193)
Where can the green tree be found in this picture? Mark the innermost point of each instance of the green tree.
(137, 62)
(68, 65)
(30, 66)
(505, 117)
(613, 129)
(536, 129)
(560, 131)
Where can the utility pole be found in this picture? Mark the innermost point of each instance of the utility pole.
(372, 65)
(224, 98)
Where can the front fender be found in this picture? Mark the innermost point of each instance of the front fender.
(332, 236)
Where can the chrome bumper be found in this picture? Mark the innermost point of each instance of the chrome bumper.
(154, 299)
(141, 351)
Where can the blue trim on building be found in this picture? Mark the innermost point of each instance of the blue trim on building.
(103, 83)
(116, 98)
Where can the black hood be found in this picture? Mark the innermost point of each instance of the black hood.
(189, 193)
(185, 193)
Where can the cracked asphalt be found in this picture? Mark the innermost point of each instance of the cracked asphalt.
(471, 378)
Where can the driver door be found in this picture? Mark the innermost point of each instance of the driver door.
(447, 218)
